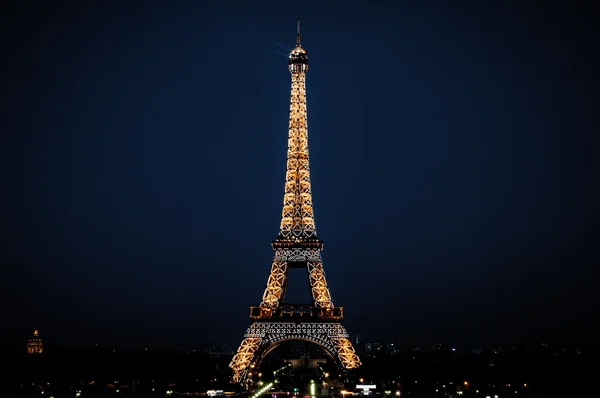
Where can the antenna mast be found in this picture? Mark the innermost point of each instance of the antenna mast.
(297, 32)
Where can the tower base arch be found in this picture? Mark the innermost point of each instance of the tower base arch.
(262, 337)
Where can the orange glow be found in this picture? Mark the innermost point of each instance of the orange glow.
(297, 245)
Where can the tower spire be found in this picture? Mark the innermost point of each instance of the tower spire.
(297, 216)
(297, 32)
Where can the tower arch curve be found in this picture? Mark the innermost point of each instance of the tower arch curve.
(270, 346)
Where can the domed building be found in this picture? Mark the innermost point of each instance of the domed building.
(34, 344)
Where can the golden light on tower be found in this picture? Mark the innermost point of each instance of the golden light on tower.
(297, 219)
(34, 344)
(296, 246)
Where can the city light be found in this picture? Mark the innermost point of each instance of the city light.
(262, 390)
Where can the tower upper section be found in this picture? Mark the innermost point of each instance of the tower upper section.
(297, 221)
(298, 61)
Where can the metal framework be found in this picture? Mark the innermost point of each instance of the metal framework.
(262, 337)
(297, 246)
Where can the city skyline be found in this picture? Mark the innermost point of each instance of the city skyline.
(365, 346)
(451, 170)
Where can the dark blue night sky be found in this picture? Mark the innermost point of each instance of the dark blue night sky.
(452, 154)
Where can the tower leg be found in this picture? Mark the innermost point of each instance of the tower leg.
(346, 353)
(276, 284)
(241, 362)
(318, 284)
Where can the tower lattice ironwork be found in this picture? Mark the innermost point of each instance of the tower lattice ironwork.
(297, 246)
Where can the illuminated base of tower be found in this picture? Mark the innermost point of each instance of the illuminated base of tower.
(262, 337)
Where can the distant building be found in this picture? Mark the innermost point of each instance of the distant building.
(440, 347)
(214, 351)
(34, 344)
(365, 389)
(305, 361)
(391, 349)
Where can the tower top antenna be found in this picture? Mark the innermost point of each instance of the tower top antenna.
(298, 61)
(297, 32)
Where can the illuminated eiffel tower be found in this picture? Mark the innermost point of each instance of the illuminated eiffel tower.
(297, 246)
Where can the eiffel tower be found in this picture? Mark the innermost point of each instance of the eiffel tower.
(297, 246)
